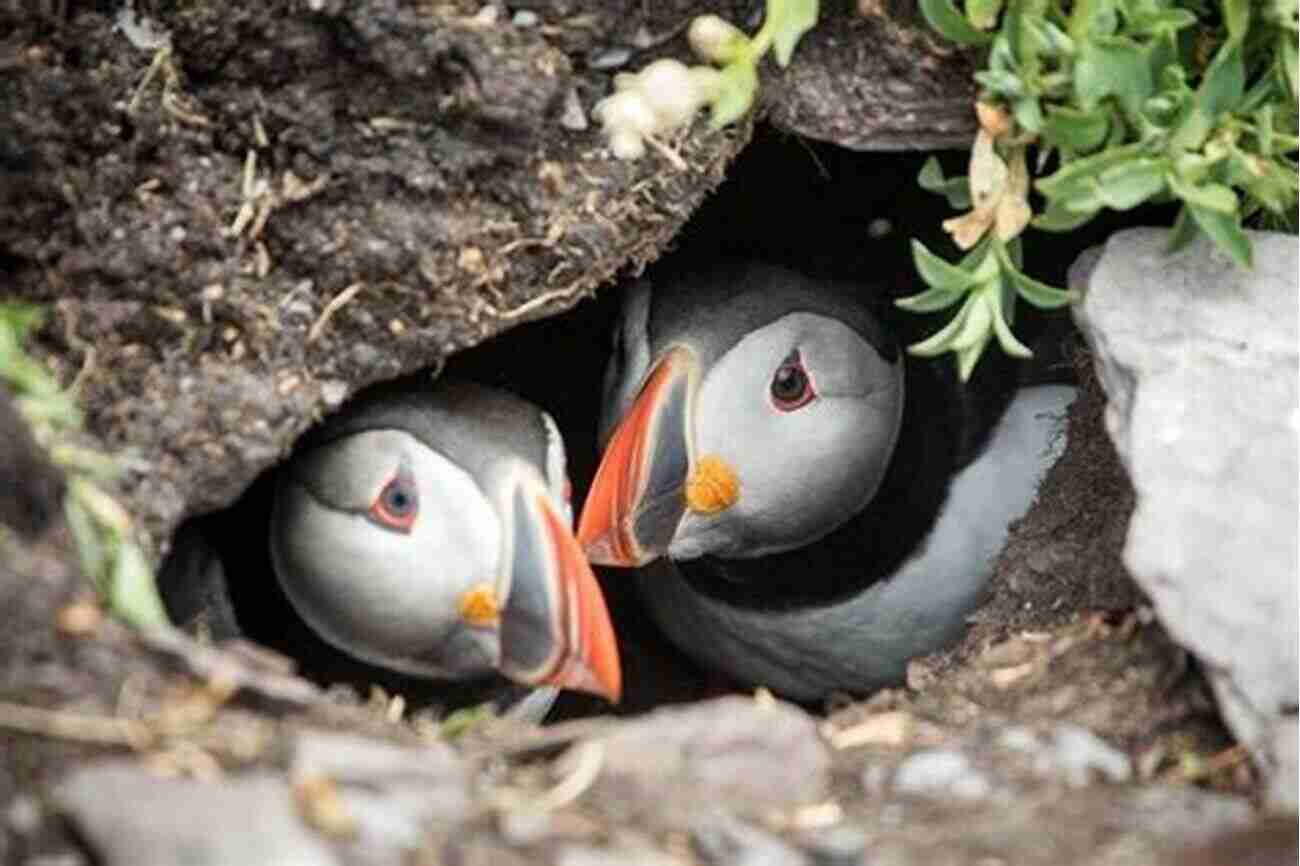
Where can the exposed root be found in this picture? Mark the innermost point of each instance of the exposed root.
(335, 304)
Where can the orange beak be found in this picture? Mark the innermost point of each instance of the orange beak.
(637, 499)
(555, 628)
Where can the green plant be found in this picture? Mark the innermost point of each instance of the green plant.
(101, 527)
(1127, 102)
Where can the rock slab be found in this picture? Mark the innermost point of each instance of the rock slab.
(1199, 362)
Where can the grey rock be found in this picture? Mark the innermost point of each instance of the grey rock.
(525, 826)
(841, 845)
(1069, 753)
(722, 840)
(573, 117)
(1102, 825)
(941, 774)
(1001, 762)
(131, 817)
(1199, 362)
(614, 855)
(678, 762)
(393, 793)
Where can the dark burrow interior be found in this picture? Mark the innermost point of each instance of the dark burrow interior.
(810, 206)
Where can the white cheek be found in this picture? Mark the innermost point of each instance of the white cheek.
(801, 473)
(386, 595)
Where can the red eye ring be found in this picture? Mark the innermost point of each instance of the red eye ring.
(398, 503)
(791, 387)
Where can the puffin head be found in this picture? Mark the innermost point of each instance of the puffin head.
(749, 411)
(428, 534)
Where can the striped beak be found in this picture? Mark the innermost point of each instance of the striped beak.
(555, 627)
(637, 498)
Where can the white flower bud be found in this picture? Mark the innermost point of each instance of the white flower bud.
(626, 145)
(671, 92)
(716, 39)
(626, 110)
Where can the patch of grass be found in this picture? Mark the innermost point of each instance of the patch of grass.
(101, 526)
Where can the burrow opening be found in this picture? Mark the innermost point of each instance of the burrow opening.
(814, 207)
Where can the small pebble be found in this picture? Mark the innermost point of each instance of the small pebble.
(334, 392)
(80, 618)
(23, 815)
(573, 117)
(614, 57)
(525, 826)
(1079, 754)
(843, 845)
(941, 774)
(525, 18)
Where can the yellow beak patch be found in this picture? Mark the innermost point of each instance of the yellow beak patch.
(479, 606)
(712, 486)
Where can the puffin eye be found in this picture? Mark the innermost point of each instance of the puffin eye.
(791, 388)
(397, 504)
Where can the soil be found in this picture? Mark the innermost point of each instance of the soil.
(303, 199)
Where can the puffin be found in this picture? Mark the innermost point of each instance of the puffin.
(807, 508)
(426, 530)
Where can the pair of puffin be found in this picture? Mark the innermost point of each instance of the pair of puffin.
(802, 514)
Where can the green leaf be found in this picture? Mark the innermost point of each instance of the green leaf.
(983, 14)
(1000, 82)
(969, 356)
(20, 320)
(930, 300)
(133, 595)
(1236, 15)
(943, 16)
(1053, 40)
(1003, 56)
(978, 323)
(1157, 21)
(1058, 219)
(1210, 196)
(737, 84)
(789, 20)
(942, 340)
(461, 721)
(1002, 330)
(955, 189)
(1040, 295)
(1077, 173)
(1289, 62)
(1128, 184)
(90, 545)
(938, 273)
(1183, 232)
(977, 260)
(1225, 230)
(1225, 82)
(1079, 131)
(1028, 114)
(1192, 130)
(1112, 66)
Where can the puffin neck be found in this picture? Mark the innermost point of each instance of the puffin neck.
(942, 431)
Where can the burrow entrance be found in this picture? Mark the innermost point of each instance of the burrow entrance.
(814, 207)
